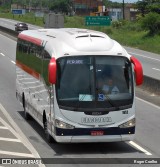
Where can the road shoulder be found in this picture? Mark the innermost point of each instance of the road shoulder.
(148, 96)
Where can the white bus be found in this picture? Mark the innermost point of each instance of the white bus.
(58, 83)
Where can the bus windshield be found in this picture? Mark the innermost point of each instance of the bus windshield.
(94, 83)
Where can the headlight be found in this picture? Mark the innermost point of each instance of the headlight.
(63, 125)
(130, 123)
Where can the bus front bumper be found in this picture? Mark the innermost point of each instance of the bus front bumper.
(93, 139)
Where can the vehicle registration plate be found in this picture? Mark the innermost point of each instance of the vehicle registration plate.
(97, 133)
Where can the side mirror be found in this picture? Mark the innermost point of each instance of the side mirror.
(138, 70)
(52, 71)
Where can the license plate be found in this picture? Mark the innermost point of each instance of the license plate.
(97, 133)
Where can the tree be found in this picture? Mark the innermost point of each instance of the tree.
(151, 22)
(109, 3)
(146, 6)
(154, 8)
(141, 5)
(62, 6)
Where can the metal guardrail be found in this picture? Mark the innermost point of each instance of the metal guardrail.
(149, 84)
(9, 31)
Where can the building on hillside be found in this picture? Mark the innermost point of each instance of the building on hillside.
(129, 13)
(115, 13)
(85, 7)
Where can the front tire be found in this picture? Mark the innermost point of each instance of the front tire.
(48, 136)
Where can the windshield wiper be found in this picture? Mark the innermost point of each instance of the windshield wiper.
(111, 102)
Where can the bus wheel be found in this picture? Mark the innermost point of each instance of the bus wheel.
(48, 136)
(26, 115)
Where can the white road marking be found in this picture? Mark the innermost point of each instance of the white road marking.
(20, 135)
(2, 54)
(133, 143)
(13, 62)
(3, 127)
(8, 126)
(9, 139)
(148, 103)
(140, 148)
(156, 69)
(144, 56)
(17, 154)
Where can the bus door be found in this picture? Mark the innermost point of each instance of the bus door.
(47, 94)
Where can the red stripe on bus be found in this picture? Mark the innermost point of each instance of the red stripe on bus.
(30, 39)
(28, 70)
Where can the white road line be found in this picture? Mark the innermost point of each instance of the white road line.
(3, 127)
(9, 139)
(144, 56)
(139, 148)
(9, 127)
(156, 69)
(13, 62)
(17, 154)
(133, 143)
(148, 103)
(19, 134)
(2, 54)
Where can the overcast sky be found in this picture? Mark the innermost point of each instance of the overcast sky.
(125, 1)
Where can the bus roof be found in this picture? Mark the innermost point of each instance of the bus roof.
(74, 41)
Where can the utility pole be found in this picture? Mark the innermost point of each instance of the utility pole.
(123, 10)
(30, 5)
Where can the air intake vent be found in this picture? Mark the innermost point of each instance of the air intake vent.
(90, 35)
(97, 36)
(82, 36)
(50, 36)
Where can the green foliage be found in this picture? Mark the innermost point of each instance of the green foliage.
(146, 6)
(27, 18)
(153, 7)
(108, 31)
(126, 25)
(62, 6)
(151, 23)
(141, 6)
(74, 22)
(109, 3)
(117, 24)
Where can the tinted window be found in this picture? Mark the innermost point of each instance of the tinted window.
(82, 82)
(30, 55)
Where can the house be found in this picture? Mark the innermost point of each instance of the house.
(85, 7)
(129, 13)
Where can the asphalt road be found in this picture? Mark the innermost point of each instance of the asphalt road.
(150, 62)
(145, 145)
(10, 24)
